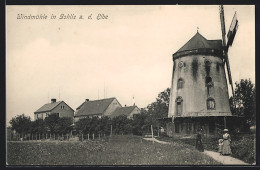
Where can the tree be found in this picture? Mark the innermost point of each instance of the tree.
(157, 109)
(38, 126)
(243, 103)
(138, 123)
(21, 124)
(64, 125)
(52, 122)
(121, 125)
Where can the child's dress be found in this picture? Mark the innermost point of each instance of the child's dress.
(220, 146)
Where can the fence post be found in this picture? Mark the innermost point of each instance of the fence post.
(82, 137)
(54, 136)
(67, 137)
(152, 132)
(93, 136)
(99, 135)
(88, 136)
(111, 130)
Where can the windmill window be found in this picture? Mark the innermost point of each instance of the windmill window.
(181, 64)
(179, 104)
(208, 81)
(211, 105)
(207, 63)
(180, 83)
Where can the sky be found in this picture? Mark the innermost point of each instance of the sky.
(127, 55)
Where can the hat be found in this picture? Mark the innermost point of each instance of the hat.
(225, 130)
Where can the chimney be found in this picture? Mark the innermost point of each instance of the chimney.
(87, 100)
(125, 105)
(53, 100)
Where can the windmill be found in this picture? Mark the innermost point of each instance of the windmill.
(231, 35)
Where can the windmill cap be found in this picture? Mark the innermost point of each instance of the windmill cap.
(225, 130)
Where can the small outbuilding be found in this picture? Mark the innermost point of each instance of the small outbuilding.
(129, 111)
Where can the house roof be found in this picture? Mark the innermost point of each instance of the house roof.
(122, 111)
(93, 107)
(48, 107)
(199, 42)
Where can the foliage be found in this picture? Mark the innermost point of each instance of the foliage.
(64, 125)
(93, 125)
(159, 108)
(121, 125)
(21, 124)
(155, 110)
(243, 103)
(38, 126)
(52, 122)
(242, 145)
(138, 122)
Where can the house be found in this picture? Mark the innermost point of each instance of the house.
(129, 111)
(96, 108)
(60, 108)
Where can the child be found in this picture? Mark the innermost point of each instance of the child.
(220, 146)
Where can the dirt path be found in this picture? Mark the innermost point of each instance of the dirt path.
(225, 160)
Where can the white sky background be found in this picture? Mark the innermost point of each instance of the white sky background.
(130, 52)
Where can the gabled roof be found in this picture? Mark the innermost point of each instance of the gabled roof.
(93, 107)
(199, 42)
(122, 111)
(48, 107)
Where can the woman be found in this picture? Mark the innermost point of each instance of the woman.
(199, 145)
(226, 143)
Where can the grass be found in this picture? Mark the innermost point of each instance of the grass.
(118, 150)
(242, 145)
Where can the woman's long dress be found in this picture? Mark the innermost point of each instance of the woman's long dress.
(226, 144)
(199, 145)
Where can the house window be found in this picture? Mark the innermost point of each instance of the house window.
(211, 105)
(62, 107)
(179, 102)
(57, 114)
(180, 83)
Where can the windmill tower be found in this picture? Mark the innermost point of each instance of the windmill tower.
(199, 91)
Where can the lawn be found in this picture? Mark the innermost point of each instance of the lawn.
(117, 150)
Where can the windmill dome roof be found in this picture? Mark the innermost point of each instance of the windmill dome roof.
(199, 42)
